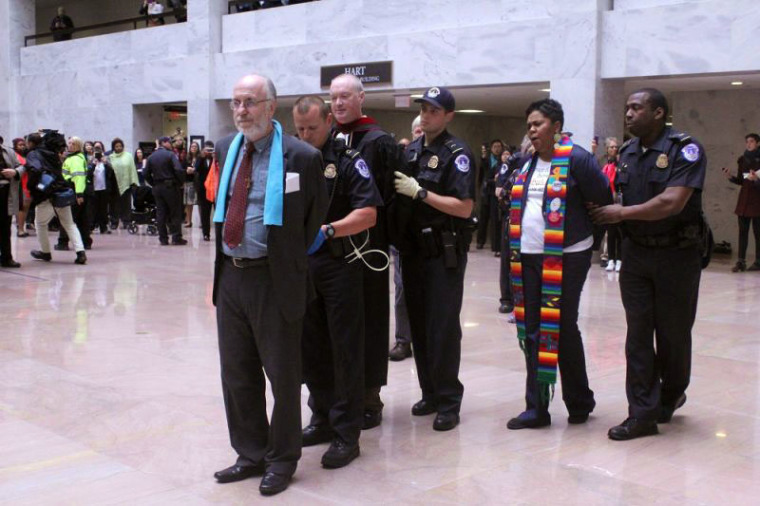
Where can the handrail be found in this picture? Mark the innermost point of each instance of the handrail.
(107, 24)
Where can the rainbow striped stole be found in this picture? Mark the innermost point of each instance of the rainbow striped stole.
(551, 276)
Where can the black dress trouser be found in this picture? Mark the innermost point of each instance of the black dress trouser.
(659, 288)
(578, 397)
(169, 211)
(255, 339)
(333, 345)
(204, 209)
(433, 296)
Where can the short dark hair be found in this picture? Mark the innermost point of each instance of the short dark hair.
(656, 99)
(17, 140)
(208, 144)
(116, 141)
(549, 108)
(753, 136)
(497, 141)
(304, 104)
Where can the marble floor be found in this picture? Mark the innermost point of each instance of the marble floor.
(110, 394)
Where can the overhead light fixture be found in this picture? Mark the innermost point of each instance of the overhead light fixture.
(419, 95)
(736, 83)
(470, 111)
(546, 90)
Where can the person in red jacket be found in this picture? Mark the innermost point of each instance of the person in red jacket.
(614, 234)
(748, 205)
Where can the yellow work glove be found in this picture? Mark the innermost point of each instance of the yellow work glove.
(406, 185)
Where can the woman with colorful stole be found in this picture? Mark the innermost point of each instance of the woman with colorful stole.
(551, 238)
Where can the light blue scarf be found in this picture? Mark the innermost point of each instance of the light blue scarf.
(275, 179)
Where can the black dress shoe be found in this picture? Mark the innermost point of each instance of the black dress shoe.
(81, 258)
(372, 419)
(316, 434)
(518, 423)
(506, 307)
(273, 483)
(61, 247)
(632, 428)
(164, 243)
(237, 473)
(206, 238)
(179, 242)
(11, 264)
(423, 408)
(39, 255)
(666, 413)
(340, 454)
(577, 419)
(445, 421)
(400, 351)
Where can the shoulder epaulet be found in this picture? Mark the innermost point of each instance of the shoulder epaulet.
(453, 146)
(351, 153)
(679, 137)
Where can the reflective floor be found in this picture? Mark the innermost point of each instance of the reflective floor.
(110, 394)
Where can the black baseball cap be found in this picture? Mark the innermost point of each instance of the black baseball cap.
(439, 97)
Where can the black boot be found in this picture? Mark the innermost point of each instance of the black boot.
(81, 258)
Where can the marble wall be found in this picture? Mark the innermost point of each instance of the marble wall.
(720, 120)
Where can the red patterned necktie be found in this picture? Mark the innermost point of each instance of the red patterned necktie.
(233, 225)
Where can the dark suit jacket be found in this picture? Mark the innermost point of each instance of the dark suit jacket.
(303, 213)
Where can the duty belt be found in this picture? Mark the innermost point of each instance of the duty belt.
(663, 241)
(246, 263)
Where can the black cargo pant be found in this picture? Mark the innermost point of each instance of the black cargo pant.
(659, 288)
(433, 296)
(169, 210)
(333, 345)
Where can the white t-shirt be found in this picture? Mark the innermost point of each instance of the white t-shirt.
(100, 177)
(533, 225)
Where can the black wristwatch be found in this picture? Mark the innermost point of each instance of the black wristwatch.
(329, 231)
(422, 194)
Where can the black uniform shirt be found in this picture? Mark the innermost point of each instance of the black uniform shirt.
(349, 181)
(163, 165)
(446, 166)
(674, 159)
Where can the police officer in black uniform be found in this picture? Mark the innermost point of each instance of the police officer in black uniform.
(165, 174)
(661, 176)
(432, 210)
(333, 335)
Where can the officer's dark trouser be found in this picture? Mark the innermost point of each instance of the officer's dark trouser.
(377, 313)
(659, 288)
(168, 211)
(403, 333)
(434, 300)
(505, 284)
(333, 345)
(576, 393)
(6, 253)
(204, 209)
(80, 214)
(488, 220)
(255, 339)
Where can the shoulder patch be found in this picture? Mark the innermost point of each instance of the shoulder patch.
(462, 163)
(691, 152)
(503, 169)
(362, 168)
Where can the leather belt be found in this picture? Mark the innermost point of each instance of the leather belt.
(246, 263)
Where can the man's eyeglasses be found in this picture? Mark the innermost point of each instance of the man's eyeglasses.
(248, 103)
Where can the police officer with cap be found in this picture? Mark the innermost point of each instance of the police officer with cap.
(333, 334)
(661, 176)
(433, 206)
(165, 174)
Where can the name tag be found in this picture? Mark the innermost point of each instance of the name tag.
(292, 182)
